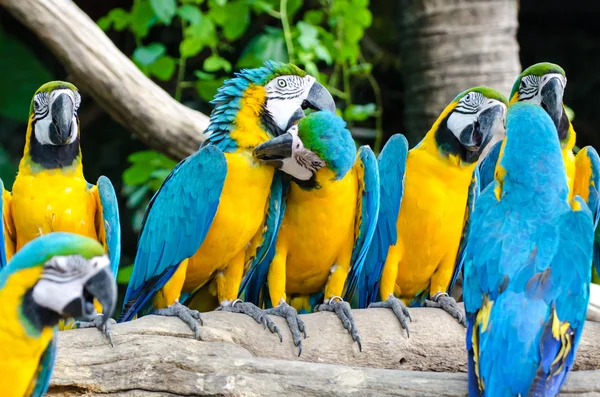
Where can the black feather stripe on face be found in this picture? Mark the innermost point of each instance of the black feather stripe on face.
(53, 156)
(37, 315)
(449, 144)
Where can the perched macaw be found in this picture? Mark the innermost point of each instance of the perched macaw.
(527, 266)
(57, 275)
(328, 223)
(544, 84)
(50, 193)
(427, 196)
(219, 209)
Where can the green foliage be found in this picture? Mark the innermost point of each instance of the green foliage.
(324, 41)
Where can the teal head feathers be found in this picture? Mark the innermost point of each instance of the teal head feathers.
(319, 140)
(273, 95)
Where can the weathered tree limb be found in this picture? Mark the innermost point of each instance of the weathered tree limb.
(119, 87)
(158, 356)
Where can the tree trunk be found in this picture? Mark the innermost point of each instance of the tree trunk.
(448, 46)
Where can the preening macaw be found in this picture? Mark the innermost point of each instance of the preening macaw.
(544, 84)
(328, 223)
(50, 193)
(57, 275)
(219, 209)
(427, 196)
(527, 269)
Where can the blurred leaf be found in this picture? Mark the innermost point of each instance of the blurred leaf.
(595, 277)
(308, 37)
(220, 2)
(137, 196)
(204, 31)
(260, 6)
(570, 113)
(314, 17)
(118, 18)
(164, 10)
(363, 16)
(203, 75)
(142, 18)
(189, 13)
(163, 68)
(190, 47)
(292, 7)
(269, 45)
(322, 53)
(149, 54)
(21, 74)
(215, 63)
(207, 89)
(136, 175)
(361, 68)
(124, 274)
(197, 2)
(360, 112)
(237, 21)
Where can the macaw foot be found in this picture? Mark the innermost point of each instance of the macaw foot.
(398, 307)
(250, 309)
(448, 304)
(187, 315)
(342, 310)
(97, 322)
(294, 322)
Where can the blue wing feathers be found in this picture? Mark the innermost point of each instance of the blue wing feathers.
(45, 367)
(3, 238)
(176, 222)
(112, 225)
(488, 166)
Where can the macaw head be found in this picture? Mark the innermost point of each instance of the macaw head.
(543, 84)
(61, 274)
(318, 140)
(469, 123)
(53, 132)
(270, 99)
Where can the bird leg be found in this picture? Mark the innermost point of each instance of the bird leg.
(342, 310)
(98, 322)
(187, 315)
(442, 301)
(250, 309)
(398, 307)
(294, 322)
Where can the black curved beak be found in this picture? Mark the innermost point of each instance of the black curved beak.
(274, 151)
(62, 119)
(552, 99)
(319, 99)
(477, 136)
(101, 286)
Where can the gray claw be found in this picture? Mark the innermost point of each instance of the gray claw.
(295, 323)
(259, 315)
(97, 322)
(448, 304)
(344, 313)
(399, 308)
(188, 316)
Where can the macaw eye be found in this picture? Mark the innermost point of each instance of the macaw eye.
(40, 102)
(281, 83)
(523, 84)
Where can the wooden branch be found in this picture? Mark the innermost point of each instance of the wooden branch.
(158, 356)
(117, 85)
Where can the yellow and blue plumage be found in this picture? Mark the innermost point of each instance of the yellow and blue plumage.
(329, 220)
(54, 276)
(426, 198)
(50, 192)
(219, 209)
(527, 266)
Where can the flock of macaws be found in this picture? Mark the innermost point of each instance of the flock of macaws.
(278, 213)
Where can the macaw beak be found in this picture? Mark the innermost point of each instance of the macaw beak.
(275, 150)
(319, 99)
(101, 286)
(552, 99)
(477, 136)
(62, 119)
(296, 116)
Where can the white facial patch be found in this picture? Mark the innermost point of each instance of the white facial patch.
(285, 94)
(43, 109)
(63, 280)
(459, 121)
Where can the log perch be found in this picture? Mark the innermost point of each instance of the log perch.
(99, 68)
(156, 356)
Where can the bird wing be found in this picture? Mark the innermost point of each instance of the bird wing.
(175, 224)
(392, 167)
(7, 234)
(487, 168)
(41, 382)
(254, 283)
(108, 226)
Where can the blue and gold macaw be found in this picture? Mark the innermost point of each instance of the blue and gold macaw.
(328, 223)
(50, 193)
(219, 209)
(427, 195)
(527, 269)
(57, 275)
(544, 84)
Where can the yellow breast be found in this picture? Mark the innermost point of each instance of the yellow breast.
(49, 201)
(20, 352)
(240, 214)
(318, 225)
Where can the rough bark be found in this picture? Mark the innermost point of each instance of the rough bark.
(117, 85)
(158, 356)
(448, 46)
